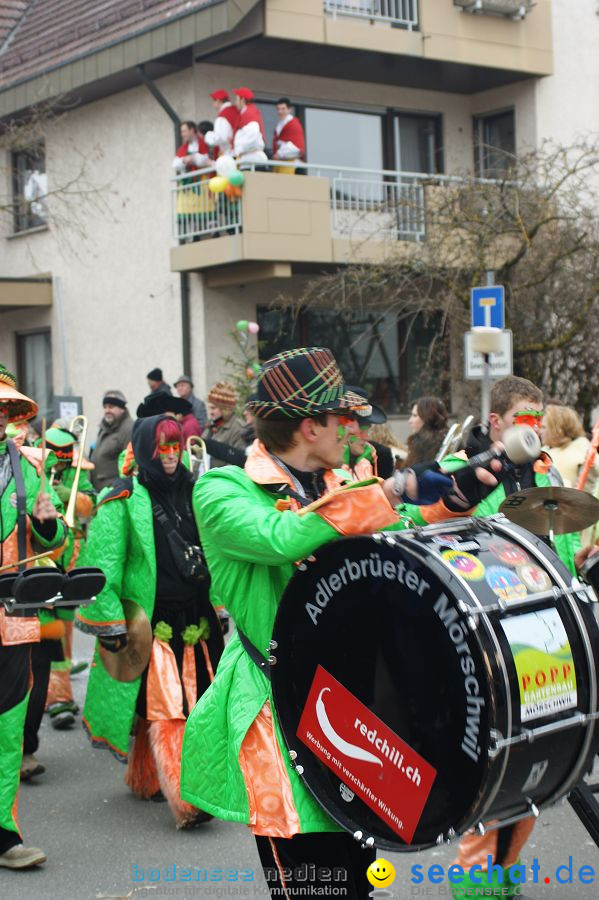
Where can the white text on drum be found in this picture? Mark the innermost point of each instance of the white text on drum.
(354, 570)
(474, 702)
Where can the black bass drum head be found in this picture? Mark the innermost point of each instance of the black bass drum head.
(383, 692)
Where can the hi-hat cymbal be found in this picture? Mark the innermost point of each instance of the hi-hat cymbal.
(129, 663)
(560, 509)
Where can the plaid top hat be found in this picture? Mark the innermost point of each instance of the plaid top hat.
(299, 384)
(18, 407)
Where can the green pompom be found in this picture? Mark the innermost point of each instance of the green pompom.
(204, 627)
(163, 631)
(191, 635)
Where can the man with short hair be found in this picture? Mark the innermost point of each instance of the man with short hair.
(513, 401)
(184, 388)
(113, 436)
(249, 140)
(156, 383)
(193, 153)
(233, 755)
(288, 142)
(220, 138)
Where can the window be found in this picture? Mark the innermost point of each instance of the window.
(337, 137)
(269, 115)
(494, 143)
(417, 143)
(389, 359)
(29, 188)
(34, 363)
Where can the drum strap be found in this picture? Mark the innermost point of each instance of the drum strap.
(254, 654)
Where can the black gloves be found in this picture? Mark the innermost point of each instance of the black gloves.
(113, 642)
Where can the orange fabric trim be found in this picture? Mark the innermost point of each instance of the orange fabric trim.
(438, 512)
(474, 848)
(189, 676)
(94, 622)
(83, 504)
(52, 631)
(128, 460)
(96, 739)
(59, 687)
(543, 464)
(359, 510)
(163, 687)
(272, 810)
(122, 496)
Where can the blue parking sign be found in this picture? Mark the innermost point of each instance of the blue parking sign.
(487, 306)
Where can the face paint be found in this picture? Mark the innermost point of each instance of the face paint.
(341, 432)
(531, 417)
(173, 449)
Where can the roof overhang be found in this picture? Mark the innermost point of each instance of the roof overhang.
(16, 293)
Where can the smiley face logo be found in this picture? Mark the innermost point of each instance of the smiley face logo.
(469, 566)
(380, 873)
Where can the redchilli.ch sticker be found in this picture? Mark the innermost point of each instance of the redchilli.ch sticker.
(505, 583)
(508, 553)
(535, 578)
(468, 566)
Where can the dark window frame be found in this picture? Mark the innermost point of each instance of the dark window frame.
(481, 146)
(23, 218)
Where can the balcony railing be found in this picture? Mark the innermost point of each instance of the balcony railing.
(365, 203)
(401, 13)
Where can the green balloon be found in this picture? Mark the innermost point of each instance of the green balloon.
(242, 325)
(236, 178)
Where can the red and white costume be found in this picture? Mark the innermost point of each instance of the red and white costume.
(249, 141)
(221, 138)
(288, 141)
(199, 152)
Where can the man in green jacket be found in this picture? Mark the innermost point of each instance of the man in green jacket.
(29, 523)
(513, 401)
(235, 763)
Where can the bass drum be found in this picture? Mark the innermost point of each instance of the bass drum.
(436, 679)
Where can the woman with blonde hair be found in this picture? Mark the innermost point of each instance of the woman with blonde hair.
(568, 445)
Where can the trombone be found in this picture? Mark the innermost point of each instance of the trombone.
(70, 513)
(454, 437)
(199, 463)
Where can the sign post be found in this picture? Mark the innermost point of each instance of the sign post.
(487, 307)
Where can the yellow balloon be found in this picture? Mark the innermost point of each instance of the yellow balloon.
(217, 184)
(381, 873)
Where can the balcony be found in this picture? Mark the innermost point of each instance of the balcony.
(399, 13)
(321, 215)
(511, 9)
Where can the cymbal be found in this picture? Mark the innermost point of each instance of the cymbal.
(532, 509)
(129, 663)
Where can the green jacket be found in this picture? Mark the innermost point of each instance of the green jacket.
(121, 543)
(566, 545)
(8, 507)
(250, 548)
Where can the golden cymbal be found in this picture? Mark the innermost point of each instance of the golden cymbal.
(129, 663)
(557, 509)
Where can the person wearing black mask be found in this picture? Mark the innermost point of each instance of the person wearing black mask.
(145, 539)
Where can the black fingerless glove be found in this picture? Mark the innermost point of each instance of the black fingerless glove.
(113, 642)
(467, 490)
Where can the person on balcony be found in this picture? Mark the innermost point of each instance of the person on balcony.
(288, 142)
(220, 138)
(193, 153)
(249, 141)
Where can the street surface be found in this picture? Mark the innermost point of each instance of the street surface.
(98, 836)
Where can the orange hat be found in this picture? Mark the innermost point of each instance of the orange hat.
(219, 95)
(245, 93)
(19, 407)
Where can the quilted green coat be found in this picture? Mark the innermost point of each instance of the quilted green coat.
(121, 532)
(250, 548)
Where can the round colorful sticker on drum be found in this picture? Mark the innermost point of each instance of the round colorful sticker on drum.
(469, 566)
(505, 583)
(508, 553)
(535, 578)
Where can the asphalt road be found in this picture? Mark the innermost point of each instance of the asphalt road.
(99, 838)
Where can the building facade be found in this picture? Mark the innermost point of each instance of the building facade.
(101, 280)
